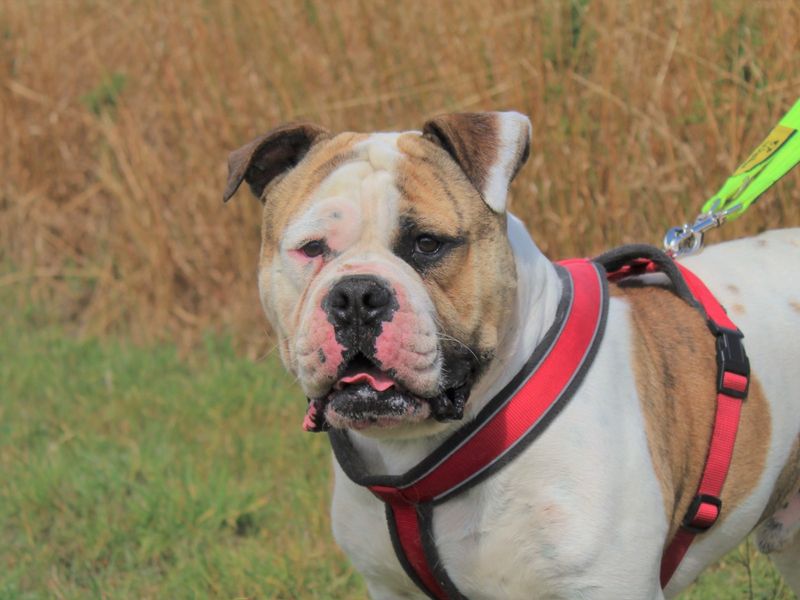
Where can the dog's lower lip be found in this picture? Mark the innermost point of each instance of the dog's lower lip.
(365, 395)
(359, 405)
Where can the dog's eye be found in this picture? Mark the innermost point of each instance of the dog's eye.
(426, 244)
(313, 248)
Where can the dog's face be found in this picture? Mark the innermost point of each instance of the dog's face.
(385, 268)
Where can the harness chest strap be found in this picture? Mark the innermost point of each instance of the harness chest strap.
(524, 408)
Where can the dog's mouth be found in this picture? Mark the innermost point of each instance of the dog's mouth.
(366, 396)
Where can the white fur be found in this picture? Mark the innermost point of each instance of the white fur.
(514, 135)
(579, 513)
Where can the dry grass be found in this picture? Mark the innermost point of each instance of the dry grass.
(117, 117)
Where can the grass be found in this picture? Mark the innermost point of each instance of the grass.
(130, 472)
(743, 573)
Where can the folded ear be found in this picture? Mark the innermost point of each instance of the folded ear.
(490, 147)
(269, 155)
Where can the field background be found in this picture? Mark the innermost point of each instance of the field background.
(149, 441)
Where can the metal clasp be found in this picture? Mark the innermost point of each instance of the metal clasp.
(688, 239)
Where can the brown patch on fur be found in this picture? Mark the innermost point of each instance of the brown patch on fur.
(288, 194)
(473, 286)
(676, 370)
(761, 243)
(738, 309)
(732, 288)
(795, 305)
(471, 139)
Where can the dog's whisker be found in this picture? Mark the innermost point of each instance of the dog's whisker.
(267, 353)
(444, 336)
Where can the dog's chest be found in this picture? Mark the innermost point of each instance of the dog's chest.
(483, 539)
(501, 539)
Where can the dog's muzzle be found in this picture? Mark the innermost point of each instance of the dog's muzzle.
(367, 392)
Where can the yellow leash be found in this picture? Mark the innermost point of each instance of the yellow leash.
(771, 160)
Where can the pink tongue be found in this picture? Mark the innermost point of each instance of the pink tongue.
(378, 382)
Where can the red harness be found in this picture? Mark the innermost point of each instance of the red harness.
(527, 405)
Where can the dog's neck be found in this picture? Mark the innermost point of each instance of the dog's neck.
(537, 297)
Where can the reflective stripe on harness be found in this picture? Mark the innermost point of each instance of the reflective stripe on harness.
(526, 406)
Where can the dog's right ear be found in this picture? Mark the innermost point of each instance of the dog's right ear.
(269, 155)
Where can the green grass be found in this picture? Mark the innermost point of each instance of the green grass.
(133, 473)
(130, 473)
(743, 573)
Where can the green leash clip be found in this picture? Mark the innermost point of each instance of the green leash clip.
(771, 160)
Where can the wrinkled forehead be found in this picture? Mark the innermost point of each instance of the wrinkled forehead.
(366, 185)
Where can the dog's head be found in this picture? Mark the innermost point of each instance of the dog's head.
(385, 269)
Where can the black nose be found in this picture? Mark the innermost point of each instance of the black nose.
(360, 300)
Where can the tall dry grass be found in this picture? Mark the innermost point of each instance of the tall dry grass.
(117, 117)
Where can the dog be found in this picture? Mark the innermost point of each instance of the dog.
(404, 296)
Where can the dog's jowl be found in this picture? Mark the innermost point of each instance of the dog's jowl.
(406, 299)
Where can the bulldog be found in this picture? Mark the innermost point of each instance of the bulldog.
(405, 296)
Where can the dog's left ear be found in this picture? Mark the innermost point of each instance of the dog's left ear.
(490, 147)
(269, 155)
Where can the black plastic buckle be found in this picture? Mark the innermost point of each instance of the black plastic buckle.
(731, 358)
(691, 514)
